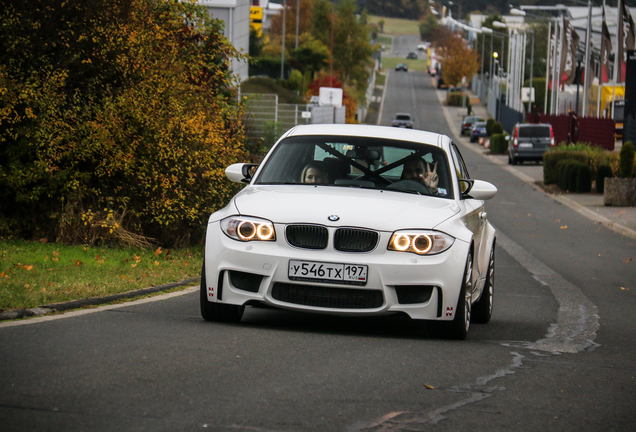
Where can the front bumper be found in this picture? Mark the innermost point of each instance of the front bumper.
(423, 287)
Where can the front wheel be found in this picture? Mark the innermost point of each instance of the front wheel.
(217, 312)
(482, 309)
(458, 327)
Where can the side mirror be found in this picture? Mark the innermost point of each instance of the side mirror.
(478, 189)
(241, 172)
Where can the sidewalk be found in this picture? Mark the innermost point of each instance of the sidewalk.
(590, 205)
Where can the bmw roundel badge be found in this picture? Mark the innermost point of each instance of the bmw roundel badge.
(333, 218)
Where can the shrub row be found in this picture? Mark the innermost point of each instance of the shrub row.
(574, 176)
(555, 158)
(498, 143)
(493, 127)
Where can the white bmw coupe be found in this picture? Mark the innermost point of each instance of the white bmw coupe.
(354, 220)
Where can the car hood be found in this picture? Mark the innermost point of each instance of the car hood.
(366, 208)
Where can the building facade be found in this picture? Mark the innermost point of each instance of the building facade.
(236, 15)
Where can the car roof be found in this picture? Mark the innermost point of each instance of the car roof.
(534, 124)
(371, 131)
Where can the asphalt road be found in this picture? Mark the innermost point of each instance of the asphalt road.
(558, 354)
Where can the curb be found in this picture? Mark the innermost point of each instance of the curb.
(92, 301)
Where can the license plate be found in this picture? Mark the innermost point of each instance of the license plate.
(525, 145)
(312, 271)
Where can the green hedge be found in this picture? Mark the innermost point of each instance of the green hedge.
(626, 161)
(498, 144)
(574, 176)
(553, 158)
(602, 172)
(455, 99)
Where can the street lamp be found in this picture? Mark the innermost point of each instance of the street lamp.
(459, 13)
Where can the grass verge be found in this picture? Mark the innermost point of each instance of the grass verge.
(397, 26)
(34, 274)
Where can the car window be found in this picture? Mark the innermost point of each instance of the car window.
(403, 117)
(460, 166)
(534, 132)
(343, 161)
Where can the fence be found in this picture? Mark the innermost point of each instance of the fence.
(570, 128)
(266, 116)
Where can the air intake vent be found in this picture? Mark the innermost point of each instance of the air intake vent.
(307, 236)
(327, 297)
(355, 240)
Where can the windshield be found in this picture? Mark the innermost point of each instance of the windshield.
(341, 161)
(534, 132)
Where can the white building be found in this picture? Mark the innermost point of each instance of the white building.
(236, 15)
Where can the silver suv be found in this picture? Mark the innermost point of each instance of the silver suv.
(530, 142)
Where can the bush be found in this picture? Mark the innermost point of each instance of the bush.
(497, 128)
(626, 161)
(489, 124)
(602, 172)
(454, 99)
(498, 144)
(553, 158)
(101, 139)
(574, 176)
(584, 179)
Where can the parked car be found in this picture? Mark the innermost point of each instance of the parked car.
(411, 56)
(478, 130)
(367, 240)
(468, 122)
(402, 120)
(402, 66)
(530, 142)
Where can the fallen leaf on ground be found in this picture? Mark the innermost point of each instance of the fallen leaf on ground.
(627, 260)
(137, 258)
(430, 387)
(28, 267)
(625, 289)
(158, 251)
(78, 263)
(564, 227)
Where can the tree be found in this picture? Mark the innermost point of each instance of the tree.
(428, 26)
(350, 48)
(118, 118)
(458, 60)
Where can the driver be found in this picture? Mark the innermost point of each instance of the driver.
(416, 169)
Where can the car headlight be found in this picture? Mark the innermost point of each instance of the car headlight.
(420, 242)
(246, 229)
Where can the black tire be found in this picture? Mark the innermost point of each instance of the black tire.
(458, 328)
(509, 159)
(217, 312)
(482, 309)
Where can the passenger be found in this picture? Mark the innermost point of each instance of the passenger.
(313, 174)
(414, 169)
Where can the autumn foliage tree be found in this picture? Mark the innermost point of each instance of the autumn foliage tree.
(456, 57)
(117, 119)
